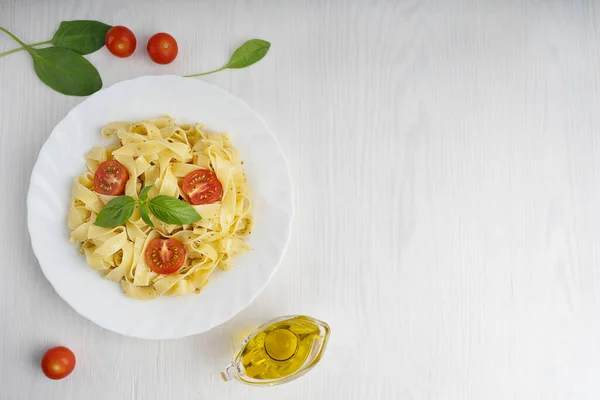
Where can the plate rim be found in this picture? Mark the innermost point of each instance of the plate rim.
(219, 321)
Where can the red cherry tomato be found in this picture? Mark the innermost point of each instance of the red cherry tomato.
(165, 256)
(162, 48)
(120, 41)
(110, 178)
(58, 362)
(202, 187)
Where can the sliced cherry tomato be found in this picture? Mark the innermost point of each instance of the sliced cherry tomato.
(202, 187)
(120, 41)
(110, 178)
(165, 256)
(162, 48)
(58, 362)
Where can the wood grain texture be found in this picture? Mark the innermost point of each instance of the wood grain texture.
(445, 159)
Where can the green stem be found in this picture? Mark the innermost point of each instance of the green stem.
(205, 73)
(23, 48)
(16, 39)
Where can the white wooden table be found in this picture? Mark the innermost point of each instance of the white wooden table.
(446, 160)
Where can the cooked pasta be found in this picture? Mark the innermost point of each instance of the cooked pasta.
(161, 153)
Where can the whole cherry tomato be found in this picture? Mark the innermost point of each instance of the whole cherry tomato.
(58, 362)
(120, 41)
(162, 48)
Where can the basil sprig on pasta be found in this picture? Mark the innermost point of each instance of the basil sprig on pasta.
(165, 208)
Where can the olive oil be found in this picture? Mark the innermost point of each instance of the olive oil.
(279, 351)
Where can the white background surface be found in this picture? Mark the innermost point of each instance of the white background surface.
(445, 158)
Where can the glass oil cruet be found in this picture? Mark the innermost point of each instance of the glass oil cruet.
(279, 351)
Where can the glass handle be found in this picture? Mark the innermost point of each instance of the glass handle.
(229, 373)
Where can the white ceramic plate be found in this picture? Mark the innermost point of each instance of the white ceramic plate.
(62, 159)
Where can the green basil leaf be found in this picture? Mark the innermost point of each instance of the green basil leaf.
(65, 71)
(82, 36)
(145, 215)
(116, 212)
(249, 53)
(144, 193)
(173, 211)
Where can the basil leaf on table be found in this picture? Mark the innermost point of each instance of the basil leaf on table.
(65, 71)
(116, 212)
(247, 54)
(144, 193)
(145, 215)
(173, 211)
(62, 69)
(81, 36)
